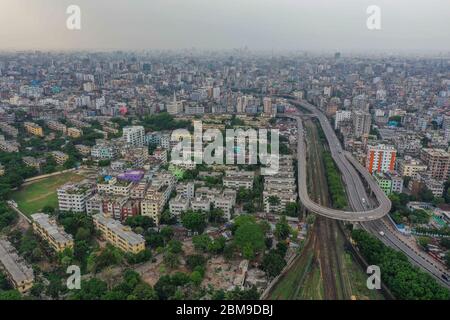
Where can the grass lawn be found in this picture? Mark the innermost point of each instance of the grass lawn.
(33, 197)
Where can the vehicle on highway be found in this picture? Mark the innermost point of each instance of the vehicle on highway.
(382, 233)
(445, 277)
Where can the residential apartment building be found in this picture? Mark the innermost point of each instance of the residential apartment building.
(8, 129)
(134, 135)
(74, 132)
(49, 231)
(410, 167)
(437, 161)
(57, 126)
(73, 197)
(114, 186)
(361, 123)
(380, 158)
(34, 129)
(178, 205)
(236, 179)
(9, 146)
(186, 189)
(389, 182)
(119, 235)
(60, 157)
(17, 271)
(104, 151)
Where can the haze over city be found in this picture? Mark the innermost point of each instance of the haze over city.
(270, 25)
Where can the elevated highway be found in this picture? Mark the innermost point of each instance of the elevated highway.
(351, 171)
(382, 228)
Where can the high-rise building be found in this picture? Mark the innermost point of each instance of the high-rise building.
(380, 158)
(134, 135)
(437, 161)
(361, 123)
(341, 116)
(267, 102)
(175, 107)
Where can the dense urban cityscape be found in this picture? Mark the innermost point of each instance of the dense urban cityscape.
(238, 158)
(88, 180)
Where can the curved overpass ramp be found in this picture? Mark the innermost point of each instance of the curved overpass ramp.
(347, 165)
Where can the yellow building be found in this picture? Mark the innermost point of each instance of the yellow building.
(152, 208)
(119, 235)
(17, 271)
(34, 128)
(60, 157)
(74, 132)
(49, 230)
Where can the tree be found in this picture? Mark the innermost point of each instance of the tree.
(274, 201)
(291, 209)
(282, 229)
(201, 242)
(249, 238)
(10, 295)
(92, 289)
(196, 278)
(403, 279)
(171, 260)
(273, 263)
(194, 221)
(195, 260)
(175, 246)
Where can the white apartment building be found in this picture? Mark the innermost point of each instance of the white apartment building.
(73, 197)
(185, 189)
(178, 205)
(134, 135)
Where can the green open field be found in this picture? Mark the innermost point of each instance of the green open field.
(35, 196)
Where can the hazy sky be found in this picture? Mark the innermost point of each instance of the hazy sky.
(312, 25)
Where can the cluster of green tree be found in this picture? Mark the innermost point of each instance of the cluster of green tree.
(155, 239)
(197, 265)
(28, 245)
(204, 243)
(437, 232)
(403, 279)
(172, 254)
(7, 292)
(15, 172)
(334, 181)
(164, 121)
(194, 221)
(7, 216)
(249, 236)
(81, 227)
(88, 137)
(212, 182)
(102, 258)
(410, 216)
(251, 199)
(140, 224)
(273, 261)
(291, 209)
(189, 175)
(131, 288)
(400, 212)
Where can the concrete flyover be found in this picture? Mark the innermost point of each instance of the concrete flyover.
(351, 177)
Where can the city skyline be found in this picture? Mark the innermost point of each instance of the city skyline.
(286, 25)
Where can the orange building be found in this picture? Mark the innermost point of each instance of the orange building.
(380, 158)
